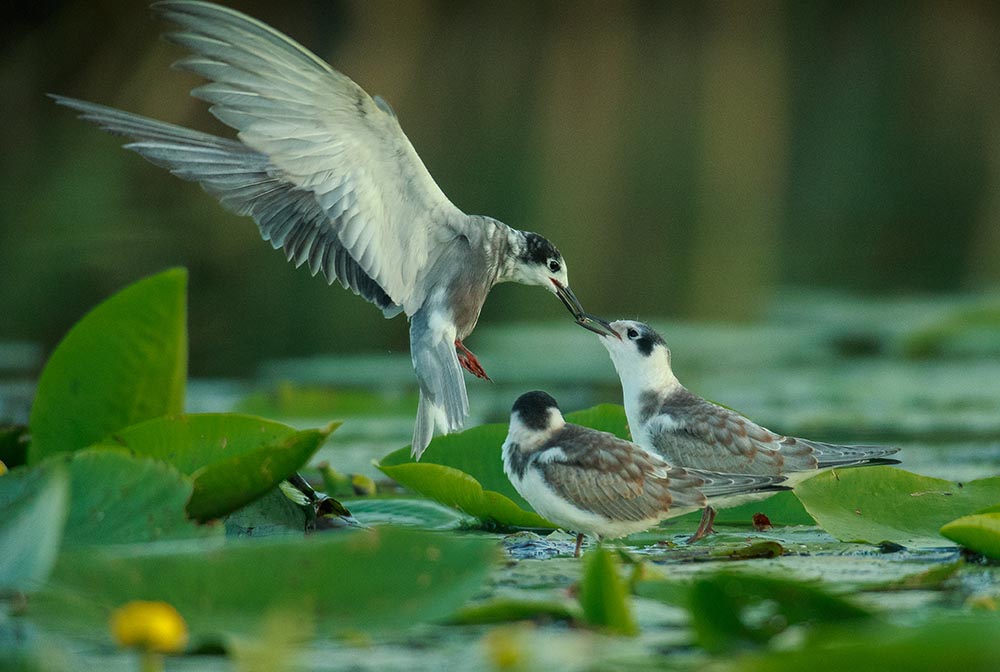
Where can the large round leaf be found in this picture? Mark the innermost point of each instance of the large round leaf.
(888, 504)
(118, 498)
(331, 583)
(233, 459)
(124, 362)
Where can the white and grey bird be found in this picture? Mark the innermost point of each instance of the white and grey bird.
(593, 482)
(329, 177)
(687, 430)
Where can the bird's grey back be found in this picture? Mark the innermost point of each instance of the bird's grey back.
(694, 432)
(606, 475)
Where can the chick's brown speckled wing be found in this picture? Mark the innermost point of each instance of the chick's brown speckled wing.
(601, 473)
(692, 432)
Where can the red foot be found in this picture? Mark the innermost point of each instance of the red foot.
(705, 527)
(469, 362)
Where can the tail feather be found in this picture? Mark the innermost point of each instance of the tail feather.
(726, 485)
(443, 400)
(833, 455)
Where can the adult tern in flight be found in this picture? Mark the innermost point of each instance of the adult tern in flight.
(329, 177)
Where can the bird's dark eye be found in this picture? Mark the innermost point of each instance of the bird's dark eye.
(554, 266)
(632, 333)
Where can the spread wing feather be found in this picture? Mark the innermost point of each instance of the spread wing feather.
(325, 136)
(244, 181)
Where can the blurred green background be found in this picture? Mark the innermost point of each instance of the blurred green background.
(689, 159)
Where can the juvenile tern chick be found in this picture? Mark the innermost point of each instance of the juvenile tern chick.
(329, 177)
(594, 483)
(686, 430)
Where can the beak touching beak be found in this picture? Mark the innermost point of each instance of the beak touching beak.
(597, 325)
(568, 298)
(585, 320)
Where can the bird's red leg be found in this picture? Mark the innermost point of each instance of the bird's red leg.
(579, 543)
(705, 527)
(469, 361)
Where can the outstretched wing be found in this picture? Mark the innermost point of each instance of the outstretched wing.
(324, 135)
(599, 472)
(692, 432)
(244, 181)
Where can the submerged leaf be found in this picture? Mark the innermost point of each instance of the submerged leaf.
(888, 504)
(124, 362)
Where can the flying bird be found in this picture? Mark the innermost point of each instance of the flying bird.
(329, 177)
(595, 483)
(685, 429)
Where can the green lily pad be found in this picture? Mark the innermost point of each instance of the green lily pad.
(604, 595)
(461, 491)
(330, 583)
(34, 503)
(980, 533)
(124, 362)
(782, 508)
(465, 470)
(947, 642)
(506, 610)
(118, 498)
(888, 504)
(232, 458)
(732, 611)
(404, 512)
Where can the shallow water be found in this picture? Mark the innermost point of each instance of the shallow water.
(829, 368)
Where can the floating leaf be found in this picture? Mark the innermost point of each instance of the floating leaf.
(506, 610)
(232, 458)
(888, 504)
(332, 583)
(34, 503)
(404, 512)
(465, 470)
(604, 595)
(979, 533)
(782, 508)
(118, 498)
(969, 644)
(460, 491)
(272, 515)
(732, 611)
(760, 549)
(124, 362)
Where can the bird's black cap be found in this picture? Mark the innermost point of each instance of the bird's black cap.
(533, 407)
(647, 340)
(538, 250)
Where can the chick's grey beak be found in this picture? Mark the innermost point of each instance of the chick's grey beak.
(597, 325)
(569, 299)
